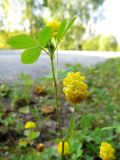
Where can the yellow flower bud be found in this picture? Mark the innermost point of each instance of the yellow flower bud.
(30, 125)
(66, 148)
(107, 152)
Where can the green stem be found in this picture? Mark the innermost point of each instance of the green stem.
(63, 142)
(30, 138)
(56, 63)
(56, 96)
(43, 49)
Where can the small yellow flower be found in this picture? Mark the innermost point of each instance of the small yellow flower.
(107, 152)
(66, 148)
(30, 125)
(54, 25)
(74, 87)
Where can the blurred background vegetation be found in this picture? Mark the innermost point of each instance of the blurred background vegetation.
(28, 16)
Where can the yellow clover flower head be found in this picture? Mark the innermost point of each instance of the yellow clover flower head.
(66, 148)
(74, 87)
(30, 125)
(107, 152)
(54, 24)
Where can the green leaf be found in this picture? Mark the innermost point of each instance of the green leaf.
(29, 56)
(71, 125)
(24, 110)
(34, 134)
(27, 133)
(21, 41)
(71, 128)
(70, 24)
(116, 127)
(61, 74)
(44, 36)
(31, 134)
(61, 29)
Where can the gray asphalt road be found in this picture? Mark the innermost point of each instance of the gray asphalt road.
(11, 66)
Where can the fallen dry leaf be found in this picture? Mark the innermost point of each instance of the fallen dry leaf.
(40, 147)
(47, 109)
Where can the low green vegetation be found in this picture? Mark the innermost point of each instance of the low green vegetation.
(97, 118)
